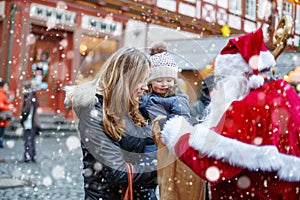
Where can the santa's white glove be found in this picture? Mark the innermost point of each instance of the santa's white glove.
(174, 128)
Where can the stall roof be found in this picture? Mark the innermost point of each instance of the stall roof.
(194, 54)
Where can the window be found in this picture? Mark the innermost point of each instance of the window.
(235, 6)
(287, 8)
(250, 9)
(222, 3)
(94, 52)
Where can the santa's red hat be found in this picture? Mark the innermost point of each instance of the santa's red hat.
(246, 53)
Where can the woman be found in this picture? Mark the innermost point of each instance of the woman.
(111, 128)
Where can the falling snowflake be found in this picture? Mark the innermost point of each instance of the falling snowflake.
(87, 172)
(19, 131)
(61, 5)
(243, 182)
(63, 43)
(30, 39)
(253, 62)
(73, 142)
(47, 181)
(212, 173)
(98, 166)
(258, 141)
(10, 144)
(58, 172)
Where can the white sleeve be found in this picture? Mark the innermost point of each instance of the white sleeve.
(211, 144)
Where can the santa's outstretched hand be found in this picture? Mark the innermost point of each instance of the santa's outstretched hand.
(210, 147)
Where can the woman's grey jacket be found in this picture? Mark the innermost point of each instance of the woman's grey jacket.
(103, 158)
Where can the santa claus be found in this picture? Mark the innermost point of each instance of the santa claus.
(251, 107)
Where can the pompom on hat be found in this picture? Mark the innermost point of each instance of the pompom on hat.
(247, 53)
(163, 64)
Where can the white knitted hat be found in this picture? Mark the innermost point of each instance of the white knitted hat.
(163, 64)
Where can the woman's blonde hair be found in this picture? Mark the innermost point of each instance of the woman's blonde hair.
(118, 79)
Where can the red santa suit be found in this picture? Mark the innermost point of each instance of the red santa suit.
(268, 116)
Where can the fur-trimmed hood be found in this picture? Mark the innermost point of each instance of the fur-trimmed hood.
(80, 95)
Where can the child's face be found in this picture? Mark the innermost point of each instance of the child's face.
(161, 85)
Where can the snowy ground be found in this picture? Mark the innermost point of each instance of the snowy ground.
(55, 175)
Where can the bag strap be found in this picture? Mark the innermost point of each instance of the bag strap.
(129, 191)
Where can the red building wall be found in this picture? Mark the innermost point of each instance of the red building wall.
(25, 35)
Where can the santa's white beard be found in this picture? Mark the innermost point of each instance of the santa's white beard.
(227, 90)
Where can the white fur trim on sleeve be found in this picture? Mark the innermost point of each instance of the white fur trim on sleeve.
(290, 171)
(236, 153)
(69, 96)
(173, 130)
(80, 95)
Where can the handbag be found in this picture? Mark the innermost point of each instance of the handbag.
(128, 193)
(6, 115)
